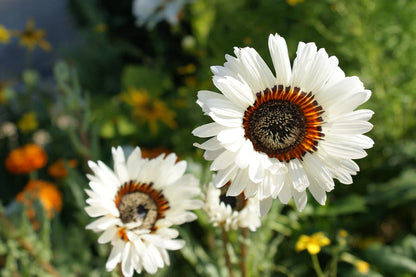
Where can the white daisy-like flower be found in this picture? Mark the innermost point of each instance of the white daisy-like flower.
(278, 135)
(137, 203)
(231, 212)
(151, 12)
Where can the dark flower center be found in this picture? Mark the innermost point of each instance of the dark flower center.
(284, 123)
(237, 203)
(140, 203)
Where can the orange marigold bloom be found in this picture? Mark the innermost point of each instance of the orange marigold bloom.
(59, 168)
(26, 159)
(47, 193)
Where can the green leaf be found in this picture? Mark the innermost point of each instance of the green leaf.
(203, 17)
(389, 260)
(151, 79)
(347, 205)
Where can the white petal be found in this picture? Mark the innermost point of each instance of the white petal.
(265, 205)
(120, 164)
(126, 265)
(208, 130)
(298, 175)
(317, 192)
(115, 255)
(343, 150)
(280, 57)
(286, 192)
(134, 162)
(256, 170)
(245, 154)
(237, 185)
(347, 127)
(238, 93)
(107, 235)
(223, 161)
(231, 135)
(300, 199)
(301, 65)
(211, 144)
(260, 73)
(102, 223)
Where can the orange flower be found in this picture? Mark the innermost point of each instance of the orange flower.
(26, 159)
(47, 193)
(59, 168)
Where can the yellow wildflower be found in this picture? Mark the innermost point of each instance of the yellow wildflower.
(4, 35)
(362, 266)
(312, 243)
(100, 28)
(28, 122)
(31, 37)
(186, 69)
(342, 233)
(294, 2)
(148, 110)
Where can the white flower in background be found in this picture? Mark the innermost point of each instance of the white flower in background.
(137, 203)
(151, 12)
(8, 129)
(278, 135)
(232, 212)
(41, 137)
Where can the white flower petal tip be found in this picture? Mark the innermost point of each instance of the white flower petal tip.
(266, 127)
(160, 195)
(231, 212)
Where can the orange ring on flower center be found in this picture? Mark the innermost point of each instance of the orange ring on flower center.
(284, 123)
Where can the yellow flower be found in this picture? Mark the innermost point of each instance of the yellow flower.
(186, 69)
(4, 35)
(100, 28)
(148, 110)
(31, 37)
(362, 266)
(312, 243)
(28, 122)
(294, 2)
(342, 233)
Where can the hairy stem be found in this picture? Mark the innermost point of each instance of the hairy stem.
(226, 254)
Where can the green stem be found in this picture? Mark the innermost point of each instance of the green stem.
(13, 231)
(243, 264)
(226, 254)
(317, 266)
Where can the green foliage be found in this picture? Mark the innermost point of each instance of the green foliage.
(373, 39)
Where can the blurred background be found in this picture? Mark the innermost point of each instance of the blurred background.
(80, 76)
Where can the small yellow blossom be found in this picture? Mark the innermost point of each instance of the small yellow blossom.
(31, 37)
(312, 243)
(28, 122)
(186, 69)
(100, 28)
(294, 2)
(4, 35)
(148, 110)
(362, 266)
(342, 233)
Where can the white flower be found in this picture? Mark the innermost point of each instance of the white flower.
(276, 136)
(137, 203)
(232, 212)
(151, 12)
